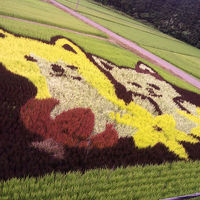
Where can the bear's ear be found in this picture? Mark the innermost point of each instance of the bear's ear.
(68, 45)
(145, 69)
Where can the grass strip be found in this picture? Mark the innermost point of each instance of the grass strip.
(149, 182)
(187, 63)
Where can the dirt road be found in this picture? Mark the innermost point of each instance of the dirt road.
(132, 47)
(55, 27)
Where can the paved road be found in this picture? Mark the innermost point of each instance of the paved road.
(133, 47)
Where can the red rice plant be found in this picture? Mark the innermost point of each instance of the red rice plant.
(77, 123)
(107, 138)
(36, 115)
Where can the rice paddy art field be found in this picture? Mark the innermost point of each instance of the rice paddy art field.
(82, 118)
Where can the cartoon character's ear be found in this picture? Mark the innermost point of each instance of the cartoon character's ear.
(145, 69)
(68, 45)
(3, 34)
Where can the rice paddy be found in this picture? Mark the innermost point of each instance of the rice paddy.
(82, 118)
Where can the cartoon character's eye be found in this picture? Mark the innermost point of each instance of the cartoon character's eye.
(69, 48)
(2, 35)
(30, 58)
(76, 78)
(154, 86)
(72, 67)
(57, 69)
(135, 84)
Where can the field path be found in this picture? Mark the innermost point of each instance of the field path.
(55, 27)
(132, 46)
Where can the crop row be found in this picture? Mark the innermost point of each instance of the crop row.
(173, 180)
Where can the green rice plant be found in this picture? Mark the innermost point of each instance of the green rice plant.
(187, 63)
(36, 10)
(95, 9)
(148, 182)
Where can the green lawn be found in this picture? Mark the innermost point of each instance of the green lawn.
(146, 36)
(39, 11)
(133, 183)
(101, 48)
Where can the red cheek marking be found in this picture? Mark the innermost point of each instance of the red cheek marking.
(72, 128)
(76, 123)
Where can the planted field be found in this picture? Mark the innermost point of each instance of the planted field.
(39, 11)
(73, 99)
(147, 37)
(143, 183)
(84, 119)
